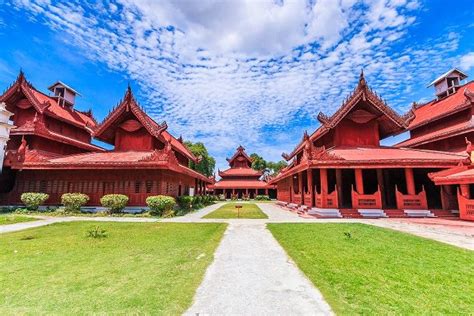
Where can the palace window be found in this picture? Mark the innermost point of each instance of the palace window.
(137, 186)
(148, 186)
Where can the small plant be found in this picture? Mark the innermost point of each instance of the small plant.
(348, 235)
(262, 198)
(73, 201)
(234, 197)
(96, 232)
(222, 197)
(114, 202)
(160, 204)
(33, 200)
(185, 202)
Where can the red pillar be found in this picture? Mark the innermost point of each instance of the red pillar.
(465, 191)
(324, 181)
(309, 178)
(410, 181)
(266, 191)
(359, 181)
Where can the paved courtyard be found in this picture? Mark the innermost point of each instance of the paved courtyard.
(251, 273)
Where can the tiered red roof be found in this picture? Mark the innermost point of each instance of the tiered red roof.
(48, 105)
(240, 175)
(308, 154)
(435, 110)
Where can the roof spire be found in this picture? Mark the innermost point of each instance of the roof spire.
(362, 82)
(21, 76)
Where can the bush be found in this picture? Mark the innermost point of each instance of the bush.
(185, 202)
(114, 202)
(73, 201)
(160, 204)
(262, 198)
(234, 197)
(33, 200)
(96, 232)
(222, 197)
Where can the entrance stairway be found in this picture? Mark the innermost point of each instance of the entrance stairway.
(350, 213)
(445, 214)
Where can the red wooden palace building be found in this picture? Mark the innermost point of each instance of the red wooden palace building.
(240, 179)
(50, 150)
(447, 123)
(342, 165)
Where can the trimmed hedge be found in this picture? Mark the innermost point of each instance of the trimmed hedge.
(73, 201)
(262, 198)
(33, 200)
(185, 202)
(161, 205)
(114, 202)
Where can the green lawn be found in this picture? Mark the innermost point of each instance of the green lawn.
(139, 268)
(6, 219)
(248, 210)
(380, 271)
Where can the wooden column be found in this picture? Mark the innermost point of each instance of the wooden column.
(381, 184)
(266, 191)
(410, 181)
(465, 191)
(340, 196)
(359, 181)
(309, 178)
(323, 177)
(300, 182)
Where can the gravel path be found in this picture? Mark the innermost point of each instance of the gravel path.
(252, 275)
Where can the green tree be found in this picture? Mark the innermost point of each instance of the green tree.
(258, 163)
(276, 167)
(207, 164)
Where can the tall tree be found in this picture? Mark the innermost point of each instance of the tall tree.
(258, 163)
(207, 164)
(276, 167)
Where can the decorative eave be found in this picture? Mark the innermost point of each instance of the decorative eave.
(240, 151)
(128, 103)
(26, 87)
(361, 92)
(365, 93)
(23, 85)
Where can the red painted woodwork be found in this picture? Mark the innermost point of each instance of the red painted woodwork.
(327, 200)
(51, 147)
(367, 200)
(240, 176)
(411, 201)
(350, 140)
(466, 208)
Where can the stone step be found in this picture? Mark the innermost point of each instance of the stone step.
(372, 213)
(418, 213)
(327, 212)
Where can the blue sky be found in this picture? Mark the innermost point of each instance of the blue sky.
(233, 72)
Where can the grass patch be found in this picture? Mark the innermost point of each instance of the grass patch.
(361, 269)
(137, 268)
(248, 210)
(6, 219)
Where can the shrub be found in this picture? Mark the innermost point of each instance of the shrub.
(33, 200)
(73, 201)
(262, 198)
(185, 202)
(114, 202)
(222, 197)
(234, 197)
(160, 204)
(97, 232)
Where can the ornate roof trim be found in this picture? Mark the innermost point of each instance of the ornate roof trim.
(129, 104)
(240, 151)
(23, 85)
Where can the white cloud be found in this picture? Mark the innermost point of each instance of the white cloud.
(231, 72)
(467, 61)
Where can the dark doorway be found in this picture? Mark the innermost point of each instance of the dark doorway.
(393, 179)
(433, 192)
(345, 182)
(317, 180)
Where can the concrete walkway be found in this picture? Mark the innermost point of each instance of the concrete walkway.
(252, 275)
